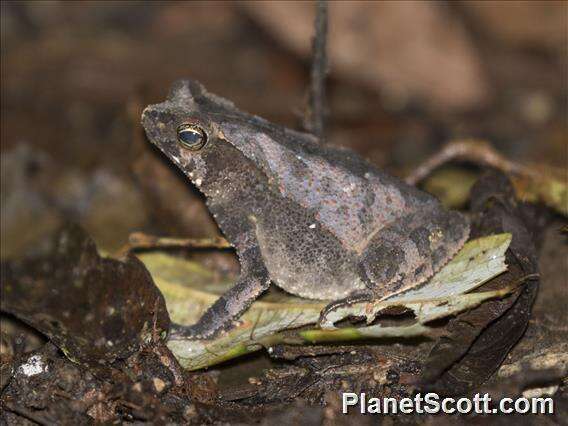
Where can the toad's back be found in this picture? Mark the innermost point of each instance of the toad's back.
(350, 198)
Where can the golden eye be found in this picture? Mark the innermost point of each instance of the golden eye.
(191, 136)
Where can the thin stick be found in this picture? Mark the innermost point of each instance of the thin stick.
(316, 110)
(139, 240)
(476, 151)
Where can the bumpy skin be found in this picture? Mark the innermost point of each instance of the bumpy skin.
(317, 221)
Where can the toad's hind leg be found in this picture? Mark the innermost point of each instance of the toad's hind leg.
(412, 249)
(253, 281)
(406, 253)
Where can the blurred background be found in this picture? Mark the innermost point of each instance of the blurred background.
(405, 77)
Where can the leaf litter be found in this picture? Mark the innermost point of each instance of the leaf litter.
(291, 320)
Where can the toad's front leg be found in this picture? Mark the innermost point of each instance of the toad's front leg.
(253, 281)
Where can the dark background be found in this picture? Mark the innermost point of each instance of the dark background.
(405, 78)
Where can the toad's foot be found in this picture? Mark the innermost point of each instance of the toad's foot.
(335, 311)
(253, 281)
(222, 314)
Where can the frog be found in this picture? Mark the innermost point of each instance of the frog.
(319, 222)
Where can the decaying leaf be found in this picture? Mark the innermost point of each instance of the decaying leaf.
(546, 185)
(451, 185)
(268, 323)
(95, 309)
(533, 183)
(478, 340)
(541, 185)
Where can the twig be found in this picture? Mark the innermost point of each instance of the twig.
(139, 240)
(316, 110)
(40, 419)
(475, 151)
(155, 335)
(169, 360)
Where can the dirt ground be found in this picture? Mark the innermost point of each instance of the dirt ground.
(405, 79)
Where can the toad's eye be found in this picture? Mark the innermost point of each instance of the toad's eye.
(191, 136)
